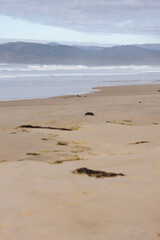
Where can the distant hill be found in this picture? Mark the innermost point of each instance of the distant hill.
(150, 46)
(53, 53)
(53, 44)
(37, 53)
(84, 47)
(130, 55)
(88, 48)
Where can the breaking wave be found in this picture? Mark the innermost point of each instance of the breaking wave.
(20, 81)
(22, 71)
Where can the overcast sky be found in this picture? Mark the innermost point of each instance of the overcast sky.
(103, 21)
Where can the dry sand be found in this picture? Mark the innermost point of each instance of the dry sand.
(41, 199)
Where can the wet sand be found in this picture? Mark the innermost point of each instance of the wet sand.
(43, 142)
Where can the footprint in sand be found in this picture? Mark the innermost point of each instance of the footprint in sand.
(53, 135)
(62, 143)
(32, 154)
(135, 178)
(93, 153)
(53, 122)
(80, 194)
(110, 153)
(44, 151)
(26, 131)
(79, 148)
(2, 161)
(72, 203)
(44, 139)
(157, 165)
(25, 213)
(65, 158)
(127, 121)
(75, 128)
(79, 142)
(57, 151)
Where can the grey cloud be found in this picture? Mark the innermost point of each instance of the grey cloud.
(114, 16)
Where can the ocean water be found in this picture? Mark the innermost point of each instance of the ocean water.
(43, 81)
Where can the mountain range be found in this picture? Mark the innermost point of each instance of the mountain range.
(54, 53)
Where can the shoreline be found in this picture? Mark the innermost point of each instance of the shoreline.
(95, 90)
(43, 143)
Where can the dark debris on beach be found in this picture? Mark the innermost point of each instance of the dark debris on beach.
(96, 173)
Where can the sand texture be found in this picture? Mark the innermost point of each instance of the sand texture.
(83, 167)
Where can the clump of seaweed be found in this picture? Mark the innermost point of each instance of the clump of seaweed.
(96, 173)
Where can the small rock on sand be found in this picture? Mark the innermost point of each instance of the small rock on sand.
(89, 114)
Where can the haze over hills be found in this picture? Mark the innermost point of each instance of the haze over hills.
(55, 53)
(149, 46)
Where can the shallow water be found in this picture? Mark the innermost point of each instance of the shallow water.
(42, 81)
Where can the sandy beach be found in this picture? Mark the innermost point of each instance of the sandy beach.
(43, 141)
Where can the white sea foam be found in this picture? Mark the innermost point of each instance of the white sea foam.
(19, 67)
(61, 75)
(22, 81)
